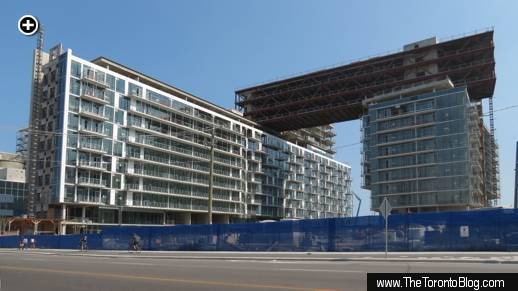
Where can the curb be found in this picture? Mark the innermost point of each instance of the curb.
(140, 256)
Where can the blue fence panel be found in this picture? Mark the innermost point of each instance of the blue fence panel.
(482, 230)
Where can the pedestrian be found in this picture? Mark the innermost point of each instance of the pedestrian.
(20, 244)
(25, 243)
(33, 243)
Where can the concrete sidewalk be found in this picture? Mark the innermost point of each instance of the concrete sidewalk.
(444, 257)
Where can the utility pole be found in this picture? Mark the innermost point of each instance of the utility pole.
(211, 173)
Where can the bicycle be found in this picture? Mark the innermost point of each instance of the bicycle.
(83, 245)
(135, 247)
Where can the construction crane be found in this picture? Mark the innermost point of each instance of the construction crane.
(34, 124)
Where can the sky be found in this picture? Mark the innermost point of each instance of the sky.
(212, 48)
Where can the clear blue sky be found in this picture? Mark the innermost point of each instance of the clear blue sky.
(210, 48)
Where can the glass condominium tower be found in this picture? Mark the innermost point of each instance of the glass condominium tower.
(119, 147)
(428, 151)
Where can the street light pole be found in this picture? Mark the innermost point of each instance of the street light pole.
(120, 210)
(211, 173)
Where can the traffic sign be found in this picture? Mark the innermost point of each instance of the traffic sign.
(385, 208)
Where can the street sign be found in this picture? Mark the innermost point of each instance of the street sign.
(385, 208)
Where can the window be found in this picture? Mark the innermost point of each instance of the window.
(135, 90)
(117, 149)
(153, 96)
(75, 86)
(424, 105)
(124, 103)
(121, 86)
(122, 134)
(110, 80)
(73, 121)
(73, 104)
(119, 117)
(71, 139)
(70, 175)
(76, 69)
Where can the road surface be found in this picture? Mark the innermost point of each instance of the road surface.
(40, 270)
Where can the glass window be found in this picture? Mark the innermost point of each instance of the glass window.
(121, 86)
(108, 113)
(72, 139)
(109, 96)
(108, 129)
(153, 96)
(73, 121)
(110, 80)
(122, 134)
(76, 69)
(73, 104)
(75, 86)
(117, 149)
(134, 90)
(119, 117)
(71, 157)
(124, 103)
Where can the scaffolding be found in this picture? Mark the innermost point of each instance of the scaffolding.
(336, 94)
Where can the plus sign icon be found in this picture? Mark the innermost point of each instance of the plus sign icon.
(28, 25)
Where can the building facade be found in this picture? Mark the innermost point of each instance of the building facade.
(120, 147)
(428, 152)
(12, 185)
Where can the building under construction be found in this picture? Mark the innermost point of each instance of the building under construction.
(400, 141)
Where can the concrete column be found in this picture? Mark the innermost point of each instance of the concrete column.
(63, 212)
(35, 231)
(83, 213)
(183, 218)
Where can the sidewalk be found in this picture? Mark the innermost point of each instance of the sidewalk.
(445, 257)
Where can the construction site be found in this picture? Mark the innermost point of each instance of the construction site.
(425, 145)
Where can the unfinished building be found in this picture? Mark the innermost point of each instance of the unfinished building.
(449, 78)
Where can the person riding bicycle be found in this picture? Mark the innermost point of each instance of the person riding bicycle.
(83, 242)
(135, 242)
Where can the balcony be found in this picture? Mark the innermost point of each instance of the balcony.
(95, 165)
(92, 132)
(91, 182)
(95, 79)
(98, 115)
(92, 147)
(90, 95)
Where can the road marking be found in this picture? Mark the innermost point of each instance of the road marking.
(162, 279)
(322, 270)
(131, 263)
(31, 259)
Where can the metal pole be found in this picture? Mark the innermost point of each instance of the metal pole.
(386, 237)
(211, 173)
(386, 232)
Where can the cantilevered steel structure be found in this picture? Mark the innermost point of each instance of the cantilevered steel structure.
(334, 95)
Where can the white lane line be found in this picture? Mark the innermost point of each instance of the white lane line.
(322, 270)
(31, 259)
(131, 263)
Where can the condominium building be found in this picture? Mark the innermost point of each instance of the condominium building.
(426, 149)
(117, 146)
(12, 185)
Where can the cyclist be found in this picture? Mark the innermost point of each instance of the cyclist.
(83, 244)
(135, 243)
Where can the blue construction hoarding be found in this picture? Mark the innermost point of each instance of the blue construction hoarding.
(481, 230)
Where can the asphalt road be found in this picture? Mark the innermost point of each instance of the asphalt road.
(40, 271)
